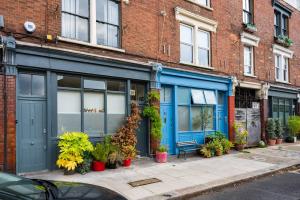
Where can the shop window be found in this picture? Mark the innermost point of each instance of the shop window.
(68, 111)
(221, 98)
(196, 118)
(75, 19)
(94, 117)
(183, 118)
(166, 95)
(94, 84)
(113, 85)
(210, 97)
(68, 81)
(282, 109)
(183, 95)
(198, 97)
(138, 92)
(115, 112)
(31, 84)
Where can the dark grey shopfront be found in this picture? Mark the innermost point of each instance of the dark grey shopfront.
(61, 91)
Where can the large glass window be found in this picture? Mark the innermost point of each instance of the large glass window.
(31, 84)
(75, 19)
(138, 92)
(282, 109)
(103, 110)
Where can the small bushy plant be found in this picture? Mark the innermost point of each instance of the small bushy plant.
(162, 149)
(241, 134)
(278, 129)
(227, 145)
(271, 129)
(294, 125)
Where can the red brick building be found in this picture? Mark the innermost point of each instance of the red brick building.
(66, 63)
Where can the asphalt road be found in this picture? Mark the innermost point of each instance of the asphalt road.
(278, 187)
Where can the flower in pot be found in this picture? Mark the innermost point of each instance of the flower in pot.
(271, 132)
(206, 152)
(161, 154)
(278, 131)
(128, 153)
(241, 135)
(100, 155)
(72, 147)
(294, 126)
(211, 147)
(227, 145)
(218, 147)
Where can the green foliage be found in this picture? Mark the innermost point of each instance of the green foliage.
(294, 125)
(206, 152)
(85, 166)
(227, 145)
(271, 129)
(162, 149)
(72, 146)
(241, 134)
(217, 145)
(153, 96)
(286, 40)
(101, 150)
(278, 129)
(152, 113)
(262, 144)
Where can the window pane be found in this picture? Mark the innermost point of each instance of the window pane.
(68, 26)
(221, 98)
(203, 57)
(94, 84)
(198, 97)
(183, 118)
(210, 97)
(116, 105)
(203, 2)
(139, 92)
(25, 84)
(186, 34)
(94, 114)
(68, 111)
(183, 96)
(166, 95)
(196, 119)
(82, 8)
(186, 53)
(113, 12)
(113, 36)
(116, 85)
(69, 6)
(101, 34)
(101, 10)
(38, 85)
(68, 81)
(203, 39)
(208, 111)
(82, 29)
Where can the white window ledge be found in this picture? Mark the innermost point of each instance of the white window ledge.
(89, 44)
(201, 5)
(193, 19)
(285, 82)
(277, 49)
(195, 65)
(249, 39)
(250, 75)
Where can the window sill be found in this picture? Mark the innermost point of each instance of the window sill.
(285, 82)
(89, 44)
(250, 75)
(201, 5)
(194, 65)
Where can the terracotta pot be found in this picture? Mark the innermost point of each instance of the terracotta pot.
(239, 147)
(161, 157)
(227, 151)
(127, 162)
(218, 152)
(271, 142)
(279, 141)
(67, 172)
(98, 166)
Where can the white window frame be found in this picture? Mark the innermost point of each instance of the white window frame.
(251, 61)
(192, 44)
(282, 67)
(93, 31)
(207, 5)
(248, 11)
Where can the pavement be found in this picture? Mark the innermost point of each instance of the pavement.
(183, 178)
(284, 186)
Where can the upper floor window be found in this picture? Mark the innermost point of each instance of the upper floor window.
(93, 21)
(202, 2)
(186, 43)
(248, 60)
(281, 16)
(281, 68)
(247, 11)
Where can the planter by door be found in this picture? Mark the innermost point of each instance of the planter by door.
(161, 157)
(98, 166)
(127, 162)
(271, 142)
(279, 141)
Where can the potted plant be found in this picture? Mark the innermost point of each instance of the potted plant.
(85, 166)
(241, 135)
(250, 27)
(218, 147)
(161, 154)
(278, 131)
(72, 147)
(211, 147)
(294, 126)
(206, 152)
(100, 155)
(271, 132)
(284, 40)
(227, 145)
(129, 152)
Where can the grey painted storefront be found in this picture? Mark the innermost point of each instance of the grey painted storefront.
(50, 63)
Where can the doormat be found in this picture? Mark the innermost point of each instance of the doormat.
(144, 182)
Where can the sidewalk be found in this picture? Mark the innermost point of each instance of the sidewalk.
(180, 177)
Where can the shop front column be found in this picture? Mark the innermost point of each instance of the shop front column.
(264, 109)
(231, 108)
(298, 105)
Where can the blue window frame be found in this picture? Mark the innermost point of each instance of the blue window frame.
(194, 106)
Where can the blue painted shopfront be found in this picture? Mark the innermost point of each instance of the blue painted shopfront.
(186, 99)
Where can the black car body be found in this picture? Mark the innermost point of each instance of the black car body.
(18, 188)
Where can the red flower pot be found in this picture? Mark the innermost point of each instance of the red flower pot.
(127, 162)
(161, 157)
(271, 142)
(98, 166)
(279, 141)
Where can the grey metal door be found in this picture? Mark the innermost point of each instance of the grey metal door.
(31, 135)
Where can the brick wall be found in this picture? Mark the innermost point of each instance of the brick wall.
(145, 31)
(11, 125)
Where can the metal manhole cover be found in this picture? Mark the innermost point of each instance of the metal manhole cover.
(144, 182)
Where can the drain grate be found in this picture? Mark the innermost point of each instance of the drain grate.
(144, 182)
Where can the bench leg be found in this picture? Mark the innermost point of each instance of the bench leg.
(178, 154)
(185, 155)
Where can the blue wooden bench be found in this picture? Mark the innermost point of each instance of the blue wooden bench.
(187, 146)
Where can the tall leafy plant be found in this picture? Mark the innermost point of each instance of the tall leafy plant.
(294, 125)
(72, 147)
(278, 129)
(271, 129)
(241, 134)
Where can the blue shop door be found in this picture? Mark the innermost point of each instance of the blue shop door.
(222, 113)
(166, 113)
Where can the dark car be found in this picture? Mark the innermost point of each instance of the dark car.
(18, 188)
